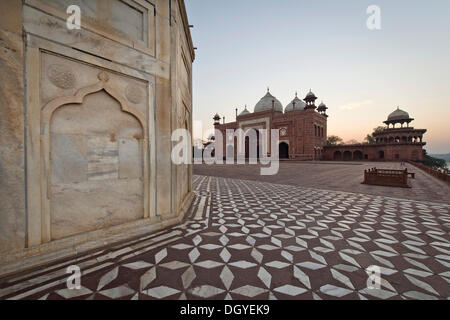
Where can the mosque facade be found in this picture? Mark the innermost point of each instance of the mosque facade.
(303, 133)
(302, 126)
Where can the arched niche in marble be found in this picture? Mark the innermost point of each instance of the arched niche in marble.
(94, 149)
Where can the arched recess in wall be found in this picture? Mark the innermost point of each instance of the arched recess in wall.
(95, 157)
(337, 155)
(187, 166)
(230, 151)
(283, 150)
(347, 156)
(357, 155)
(252, 143)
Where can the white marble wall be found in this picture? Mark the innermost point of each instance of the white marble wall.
(89, 130)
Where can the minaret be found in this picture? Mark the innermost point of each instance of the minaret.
(322, 109)
(216, 119)
(310, 100)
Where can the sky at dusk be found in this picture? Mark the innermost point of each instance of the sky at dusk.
(245, 46)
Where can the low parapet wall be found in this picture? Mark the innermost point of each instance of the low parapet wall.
(385, 177)
(438, 174)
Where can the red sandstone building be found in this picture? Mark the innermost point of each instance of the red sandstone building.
(302, 126)
(303, 133)
(397, 142)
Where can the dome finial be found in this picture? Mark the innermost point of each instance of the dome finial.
(296, 94)
(268, 90)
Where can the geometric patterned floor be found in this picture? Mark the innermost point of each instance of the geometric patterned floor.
(256, 240)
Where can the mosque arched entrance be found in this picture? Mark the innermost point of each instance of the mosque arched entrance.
(248, 143)
(283, 150)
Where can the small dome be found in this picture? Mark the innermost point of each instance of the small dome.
(310, 95)
(269, 102)
(243, 113)
(398, 115)
(295, 104)
(322, 107)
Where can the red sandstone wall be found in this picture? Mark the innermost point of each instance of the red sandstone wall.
(392, 152)
(300, 135)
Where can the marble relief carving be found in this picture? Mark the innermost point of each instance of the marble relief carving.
(61, 76)
(134, 94)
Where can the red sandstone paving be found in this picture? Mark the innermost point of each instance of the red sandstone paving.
(342, 176)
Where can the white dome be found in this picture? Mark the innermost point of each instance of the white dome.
(299, 105)
(269, 102)
(243, 113)
(398, 115)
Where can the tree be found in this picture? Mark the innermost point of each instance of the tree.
(334, 140)
(433, 162)
(370, 139)
(352, 141)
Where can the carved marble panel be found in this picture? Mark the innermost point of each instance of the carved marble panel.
(183, 170)
(129, 19)
(87, 192)
(95, 141)
(184, 75)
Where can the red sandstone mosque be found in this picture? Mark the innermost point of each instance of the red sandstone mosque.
(303, 132)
